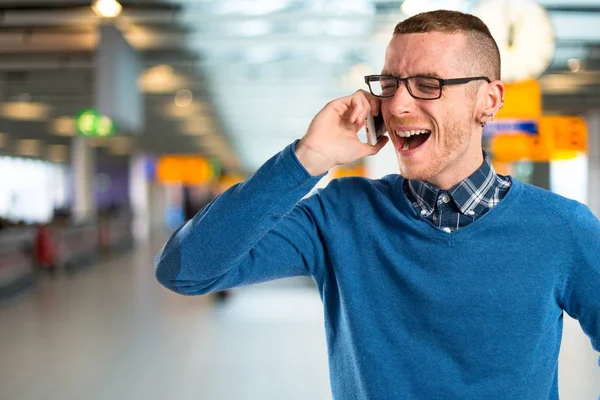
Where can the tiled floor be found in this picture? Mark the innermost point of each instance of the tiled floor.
(111, 332)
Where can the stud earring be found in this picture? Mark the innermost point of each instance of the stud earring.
(488, 116)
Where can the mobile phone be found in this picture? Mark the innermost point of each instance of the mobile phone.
(375, 128)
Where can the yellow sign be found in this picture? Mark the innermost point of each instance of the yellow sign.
(227, 181)
(519, 147)
(559, 138)
(522, 100)
(357, 169)
(188, 170)
(569, 135)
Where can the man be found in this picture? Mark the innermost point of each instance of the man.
(447, 282)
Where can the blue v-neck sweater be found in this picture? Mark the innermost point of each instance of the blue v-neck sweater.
(411, 312)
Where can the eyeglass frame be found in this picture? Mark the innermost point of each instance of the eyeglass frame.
(442, 82)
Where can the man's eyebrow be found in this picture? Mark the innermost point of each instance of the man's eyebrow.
(430, 74)
(427, 74)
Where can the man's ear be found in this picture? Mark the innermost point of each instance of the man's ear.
(494, 97)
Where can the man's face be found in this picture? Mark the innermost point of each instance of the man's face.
(437, 156)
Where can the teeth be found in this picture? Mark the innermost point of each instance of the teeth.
(411, 133)
(406, 146)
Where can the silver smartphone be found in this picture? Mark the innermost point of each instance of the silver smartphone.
(375, 128)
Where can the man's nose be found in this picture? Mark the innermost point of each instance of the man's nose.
(402, 101)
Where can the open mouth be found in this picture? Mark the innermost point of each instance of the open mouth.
(409, 140)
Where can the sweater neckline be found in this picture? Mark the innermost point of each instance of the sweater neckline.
(481, 223)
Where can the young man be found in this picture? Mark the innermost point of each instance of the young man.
(448, 282)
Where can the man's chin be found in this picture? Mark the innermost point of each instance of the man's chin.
(413, 177)
(409, 173)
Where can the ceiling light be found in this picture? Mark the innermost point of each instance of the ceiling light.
(574, 65)
(214, 139)
(195, 108)
(28, 147)
(183, 98)
(198, 125)
(107, 8)
(559, 84)
(201, 120)
(23, 110)
(192, 129)
(160, 79)
(63, 126)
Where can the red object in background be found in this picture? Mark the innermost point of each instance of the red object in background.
(45, 248)
(103, 236)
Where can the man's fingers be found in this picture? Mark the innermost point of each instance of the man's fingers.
(357, 110)
(378, 146)
(367, 107)
(375, 104)
(361, 106)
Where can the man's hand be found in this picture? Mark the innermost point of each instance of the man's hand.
(332, 136)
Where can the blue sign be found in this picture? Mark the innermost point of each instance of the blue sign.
(508, 126)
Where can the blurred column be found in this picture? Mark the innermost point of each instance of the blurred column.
(569, 178)
(118, 97)
(117, 70)
(158, 207)
(83, 180)
(578, 362)
(593, 123)
(139, 197)
(540, 175)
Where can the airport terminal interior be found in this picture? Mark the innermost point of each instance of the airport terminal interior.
(121, 120)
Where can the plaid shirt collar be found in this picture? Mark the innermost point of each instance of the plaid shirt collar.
(474, 196)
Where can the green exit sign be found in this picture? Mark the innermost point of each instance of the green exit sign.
(91, 123)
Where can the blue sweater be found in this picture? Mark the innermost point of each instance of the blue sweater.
(411, 312)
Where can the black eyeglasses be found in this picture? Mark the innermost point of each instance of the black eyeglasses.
(419, 87)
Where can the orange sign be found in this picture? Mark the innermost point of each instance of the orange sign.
(357, 169)
(559, 138)
(519, 147)
(227, 181)
(569, 135)
(188, 170)
(522, 100)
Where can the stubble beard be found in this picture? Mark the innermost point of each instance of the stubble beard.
(455, 144)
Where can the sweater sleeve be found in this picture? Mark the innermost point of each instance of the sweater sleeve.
(582, 300)
(256, 231)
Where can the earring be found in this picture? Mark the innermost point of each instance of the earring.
(486, 115)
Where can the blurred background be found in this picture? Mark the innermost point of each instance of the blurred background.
(120, 120)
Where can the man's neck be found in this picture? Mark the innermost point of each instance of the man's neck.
(454, 174)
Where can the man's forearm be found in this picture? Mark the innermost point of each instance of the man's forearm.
(223, 233)
(316, 164)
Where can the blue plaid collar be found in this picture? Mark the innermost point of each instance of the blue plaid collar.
(475, 195)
